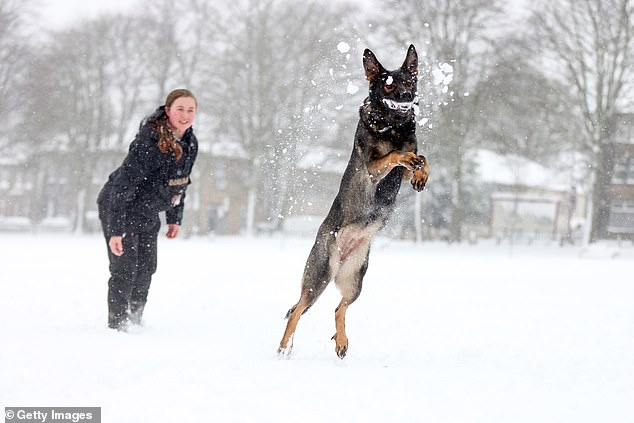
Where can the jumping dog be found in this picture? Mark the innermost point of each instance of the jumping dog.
(383, 155)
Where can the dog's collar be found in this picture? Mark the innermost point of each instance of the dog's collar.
(377, 125)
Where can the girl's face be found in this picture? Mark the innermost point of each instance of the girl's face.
(181, 114)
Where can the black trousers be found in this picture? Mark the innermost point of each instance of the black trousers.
(131, 273)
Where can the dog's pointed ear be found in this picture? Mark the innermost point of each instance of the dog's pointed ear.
(371, 65)
(411, 61)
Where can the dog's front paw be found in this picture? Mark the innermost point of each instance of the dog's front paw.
(411, 161)
(419, 178)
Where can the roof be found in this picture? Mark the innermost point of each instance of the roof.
(516, 170)
(226, 149)
(324, 159)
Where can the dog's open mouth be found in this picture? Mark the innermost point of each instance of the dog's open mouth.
(401, 107)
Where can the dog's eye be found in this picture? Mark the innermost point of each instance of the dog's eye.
(408, 84)
(389, 87)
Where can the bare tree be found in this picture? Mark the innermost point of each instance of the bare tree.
(178, 38)
(85, 90)
(521, 111)
(589, 44)
(128, 76)
(75, 108)
(271, 62)
(314, 98)
(14, 54)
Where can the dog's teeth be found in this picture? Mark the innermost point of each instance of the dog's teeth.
(398, 106)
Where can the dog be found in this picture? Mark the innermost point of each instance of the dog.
(384, 154)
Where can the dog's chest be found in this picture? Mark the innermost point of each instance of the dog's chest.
(379, 147)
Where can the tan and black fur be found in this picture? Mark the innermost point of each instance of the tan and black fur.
(384, 154)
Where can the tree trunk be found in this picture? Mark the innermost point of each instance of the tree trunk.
(80, 211)
(456, 208)
(418, 217)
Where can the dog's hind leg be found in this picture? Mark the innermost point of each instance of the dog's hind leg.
(293, 316)
(317, 275)
(340, 338)
(349, 280)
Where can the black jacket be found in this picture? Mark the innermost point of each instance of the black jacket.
(147, 182)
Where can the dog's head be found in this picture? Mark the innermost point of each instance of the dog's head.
(395, 91)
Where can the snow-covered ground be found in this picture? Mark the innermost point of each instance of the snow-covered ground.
(440, 333)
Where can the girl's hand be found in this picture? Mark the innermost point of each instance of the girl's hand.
(172, 230)
(116, 245)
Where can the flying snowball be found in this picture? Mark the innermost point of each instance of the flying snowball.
(343, 47)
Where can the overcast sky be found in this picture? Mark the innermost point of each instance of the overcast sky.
(55, 14)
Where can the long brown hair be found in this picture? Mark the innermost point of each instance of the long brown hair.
(167, 143)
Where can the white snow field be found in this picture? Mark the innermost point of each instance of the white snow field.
(440, 334)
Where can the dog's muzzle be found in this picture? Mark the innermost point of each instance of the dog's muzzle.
(401, 107)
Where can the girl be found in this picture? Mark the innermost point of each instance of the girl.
(152, 178)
